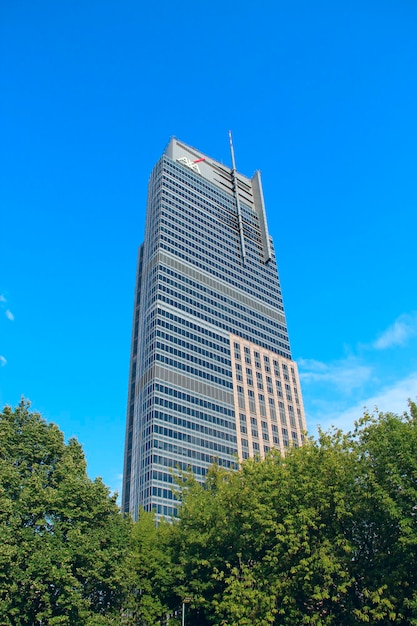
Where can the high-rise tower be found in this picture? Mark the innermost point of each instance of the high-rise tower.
(211, 374)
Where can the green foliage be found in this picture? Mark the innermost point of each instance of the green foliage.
(325, 536)
(385, 527)
(63, 540)
(154, 574)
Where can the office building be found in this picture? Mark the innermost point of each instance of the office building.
(211, 373)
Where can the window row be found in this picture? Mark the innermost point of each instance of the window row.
(193, 425)
(234, 326)
(219, 297)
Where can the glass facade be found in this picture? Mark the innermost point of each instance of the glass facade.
(210, 352)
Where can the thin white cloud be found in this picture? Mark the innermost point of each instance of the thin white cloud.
(3, 361)
(2, 298)
(392, 399)
(313, 365)
(337, 393)
(345, 374)
(9, 315)
(398, 333)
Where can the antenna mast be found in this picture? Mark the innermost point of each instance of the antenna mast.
(236, 194)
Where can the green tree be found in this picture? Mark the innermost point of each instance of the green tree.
(263, 545)
(63, 541)
(155, 577)
(325, 536)
(384, 529)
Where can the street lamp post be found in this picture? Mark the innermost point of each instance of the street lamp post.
(184, 602)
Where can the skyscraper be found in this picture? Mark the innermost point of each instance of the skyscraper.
(211, 373)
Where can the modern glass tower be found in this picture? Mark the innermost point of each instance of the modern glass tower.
(211, 373)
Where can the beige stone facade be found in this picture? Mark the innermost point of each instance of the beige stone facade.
(268, 401)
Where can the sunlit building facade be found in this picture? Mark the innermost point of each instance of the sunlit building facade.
(211, 373)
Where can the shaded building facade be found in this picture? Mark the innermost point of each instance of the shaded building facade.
(211, 374)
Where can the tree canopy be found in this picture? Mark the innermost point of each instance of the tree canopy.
(63, 541)
(326, 535)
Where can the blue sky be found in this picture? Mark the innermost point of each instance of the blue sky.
(321, 97)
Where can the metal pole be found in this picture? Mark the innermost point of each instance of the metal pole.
(183, 614)
(236, 194)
